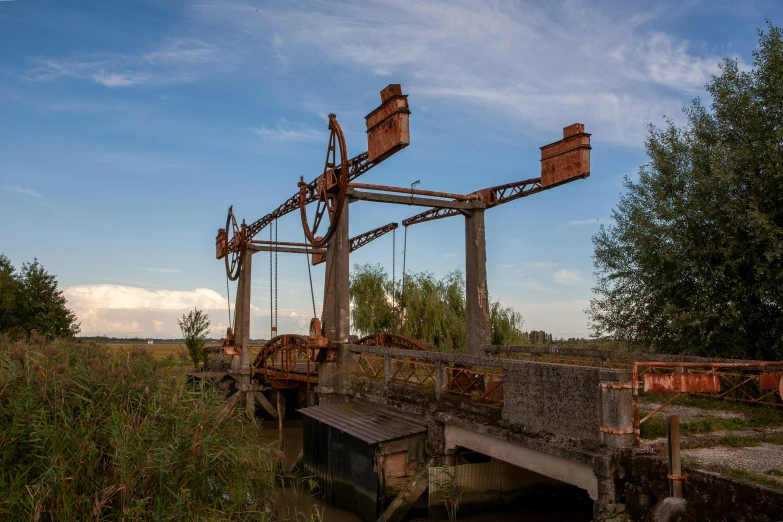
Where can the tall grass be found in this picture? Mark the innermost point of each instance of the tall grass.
(88, 433)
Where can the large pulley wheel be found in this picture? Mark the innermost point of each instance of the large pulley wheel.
(236, 248)
(329, 190)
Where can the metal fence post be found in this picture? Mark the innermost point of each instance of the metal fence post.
(675, 464)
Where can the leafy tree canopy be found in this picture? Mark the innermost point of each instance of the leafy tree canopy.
(431, 310)
(694, 261)
(30, 300)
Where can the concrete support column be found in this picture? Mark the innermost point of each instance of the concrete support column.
(476, 292)
(242, 314)
(333, 376)
(337, 313)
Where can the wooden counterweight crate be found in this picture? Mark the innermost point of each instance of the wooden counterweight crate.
(221, 244)
(387, 126)
(567, 159)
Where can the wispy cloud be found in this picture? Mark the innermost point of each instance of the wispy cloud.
(526, 61)
(175, 61)
(162, 270)
(594, 221)
(287, 131)
(21, 190)
(568, 277)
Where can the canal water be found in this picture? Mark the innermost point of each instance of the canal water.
(300, 502)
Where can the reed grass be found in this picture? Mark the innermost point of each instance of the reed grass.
(88, 433)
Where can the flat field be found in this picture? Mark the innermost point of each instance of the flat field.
(159, 350)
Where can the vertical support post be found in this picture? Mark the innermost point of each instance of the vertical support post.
(244, 284)
(280, 411)
(388, 369)
(333, 376)
(337, 318)
(441, 378)
(476, 292)
(241, 363)
(675, 464)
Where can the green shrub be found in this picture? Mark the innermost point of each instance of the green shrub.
(88, 433)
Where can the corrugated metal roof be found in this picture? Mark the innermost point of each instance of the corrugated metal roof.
(366, 422)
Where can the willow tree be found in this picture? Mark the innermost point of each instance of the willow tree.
(431, 310)
(694, 261)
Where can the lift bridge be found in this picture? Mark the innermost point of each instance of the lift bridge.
(382, 412)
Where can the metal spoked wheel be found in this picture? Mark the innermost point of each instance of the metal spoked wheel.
(329, 190)
(236, 248)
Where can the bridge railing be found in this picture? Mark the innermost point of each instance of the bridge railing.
(582, 402)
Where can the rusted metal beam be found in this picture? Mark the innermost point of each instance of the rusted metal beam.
(252, 248)
(359, 241)
(417, 192)
(358, 195)
(356, 167)
(492, 197)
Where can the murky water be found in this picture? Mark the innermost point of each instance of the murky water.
(300, 504)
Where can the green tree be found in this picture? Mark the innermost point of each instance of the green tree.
(370, 292)
(9, 295)
(194, 328)
(506, 325)
(694, 261)
(433, 310)
(30, 300)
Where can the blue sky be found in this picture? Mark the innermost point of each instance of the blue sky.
(128, 128)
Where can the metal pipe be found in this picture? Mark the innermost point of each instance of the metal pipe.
(418, 192)
(675, 464)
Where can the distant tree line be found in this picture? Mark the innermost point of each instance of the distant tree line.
(431, 310)
(30, 300)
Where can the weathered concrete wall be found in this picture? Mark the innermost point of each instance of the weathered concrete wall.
(567, 401)
(710, 496)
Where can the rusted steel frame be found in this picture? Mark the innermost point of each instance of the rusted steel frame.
(477, 381)
(659, 408)
(393, 340)
(366, 365)
(431, 215)
(356, 167)
(357, 242)
(370, 236)
(492, 196)
(286, 250)
(412, 191)
(419, 201)
(414, 366)
(284, 243)
(757, 364)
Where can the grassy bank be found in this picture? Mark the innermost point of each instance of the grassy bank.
(88, 433)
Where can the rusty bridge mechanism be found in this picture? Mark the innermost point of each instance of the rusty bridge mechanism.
(295, 361)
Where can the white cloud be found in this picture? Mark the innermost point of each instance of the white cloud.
(286, 131)
(178, 60)
(596, 221)
(541, 64)
(162, 270)
(21, 190)
(568, 277)
(121, 310)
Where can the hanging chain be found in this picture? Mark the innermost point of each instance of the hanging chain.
(276, 247)
(309, 272)
(271, 317)
(394, 279)
(404, 259)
